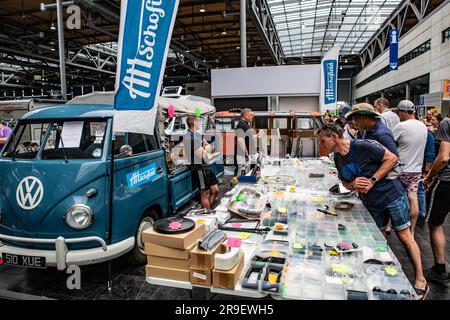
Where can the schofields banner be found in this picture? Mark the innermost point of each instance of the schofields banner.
(145, 32)
(328, 76)
(393, 49)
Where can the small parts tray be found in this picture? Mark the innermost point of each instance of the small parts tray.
(264, 274)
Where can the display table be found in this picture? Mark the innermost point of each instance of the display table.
(327, 253)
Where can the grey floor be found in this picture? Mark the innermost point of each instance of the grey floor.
(129, 281)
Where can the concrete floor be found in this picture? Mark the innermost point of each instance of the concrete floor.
(129, 281)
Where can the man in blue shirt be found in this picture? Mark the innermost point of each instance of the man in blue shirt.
(366, 118)
(363, 166)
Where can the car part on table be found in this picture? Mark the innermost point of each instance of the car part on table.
(343, 205)
(211, 240)
(337, 190)
(252, 277)
(327, 211)
(248, 203)
(173, 225)
(279, 179)
(271, 282)
(228, 260)
(256, 230)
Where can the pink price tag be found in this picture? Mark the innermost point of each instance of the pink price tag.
(171, 111)
(175, 225)
(234, 242)
(236, 225)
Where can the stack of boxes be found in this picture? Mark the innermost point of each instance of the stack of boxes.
(202, 264)
(168, 254)
(177, 257)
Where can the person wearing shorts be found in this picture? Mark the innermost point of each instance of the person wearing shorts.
(437, 183)
(363, 166)
(411, 138)
(202, 177)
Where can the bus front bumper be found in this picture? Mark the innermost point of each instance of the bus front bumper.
(62, 257)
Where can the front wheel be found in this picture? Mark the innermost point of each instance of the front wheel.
(137, 254)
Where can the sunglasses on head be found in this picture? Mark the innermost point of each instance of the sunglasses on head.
(326, 126)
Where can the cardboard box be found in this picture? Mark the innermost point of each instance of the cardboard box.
(201, 259)
(166, 252)
(177, 241)
(201, 277)
(168, 262)
(228, 279)
(167, 273)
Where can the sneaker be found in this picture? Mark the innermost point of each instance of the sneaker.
(442, 279)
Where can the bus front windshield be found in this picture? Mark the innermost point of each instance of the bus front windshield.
(65, 140)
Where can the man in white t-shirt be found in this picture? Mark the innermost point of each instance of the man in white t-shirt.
(411, 138)
(388, 118)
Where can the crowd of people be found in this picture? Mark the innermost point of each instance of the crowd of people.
(399, 165)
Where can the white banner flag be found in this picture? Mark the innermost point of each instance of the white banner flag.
(328, 80)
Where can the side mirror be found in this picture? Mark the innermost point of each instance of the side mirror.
(126, 150)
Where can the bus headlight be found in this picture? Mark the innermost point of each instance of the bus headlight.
(79, 216)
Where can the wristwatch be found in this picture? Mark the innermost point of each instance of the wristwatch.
(374, 179)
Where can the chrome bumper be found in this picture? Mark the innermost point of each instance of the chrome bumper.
(61, 257)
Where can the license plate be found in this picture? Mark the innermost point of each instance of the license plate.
(24, 261)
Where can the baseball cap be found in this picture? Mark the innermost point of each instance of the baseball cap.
(364, 109)
(343, 110)
(406, 105)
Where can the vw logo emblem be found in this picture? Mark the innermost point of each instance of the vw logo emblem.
(29, 193)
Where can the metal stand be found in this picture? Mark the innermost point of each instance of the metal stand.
(109, 281)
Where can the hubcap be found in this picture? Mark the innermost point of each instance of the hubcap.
(146, 223)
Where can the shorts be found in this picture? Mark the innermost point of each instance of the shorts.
(202, 177)
(397, 211)
(438, 202)
(410, 180)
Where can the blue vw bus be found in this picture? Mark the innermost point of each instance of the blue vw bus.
(74, 193)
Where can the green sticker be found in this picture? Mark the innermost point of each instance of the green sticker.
(241, 197)
(381, 249)
(197, 112)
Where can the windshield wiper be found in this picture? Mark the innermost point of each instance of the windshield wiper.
(62, 143)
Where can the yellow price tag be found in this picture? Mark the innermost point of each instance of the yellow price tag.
(244, 235)
(392, 271)
(293, 190)
(319, 199)
(201, 221)
(273, 277)
(340, 268)
(297, 245)
(274, 253)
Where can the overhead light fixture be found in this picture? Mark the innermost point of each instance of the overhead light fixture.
(202, 9)
(346, 61)
(52, 27)
(224, 32)
(353, 51)
(238, 48)
(303, 26)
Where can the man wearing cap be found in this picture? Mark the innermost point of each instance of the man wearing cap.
(411, 138)
(349, 133)
(363, 166)
(389, 118)
(366, 118)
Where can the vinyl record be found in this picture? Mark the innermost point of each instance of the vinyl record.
(173, 225)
